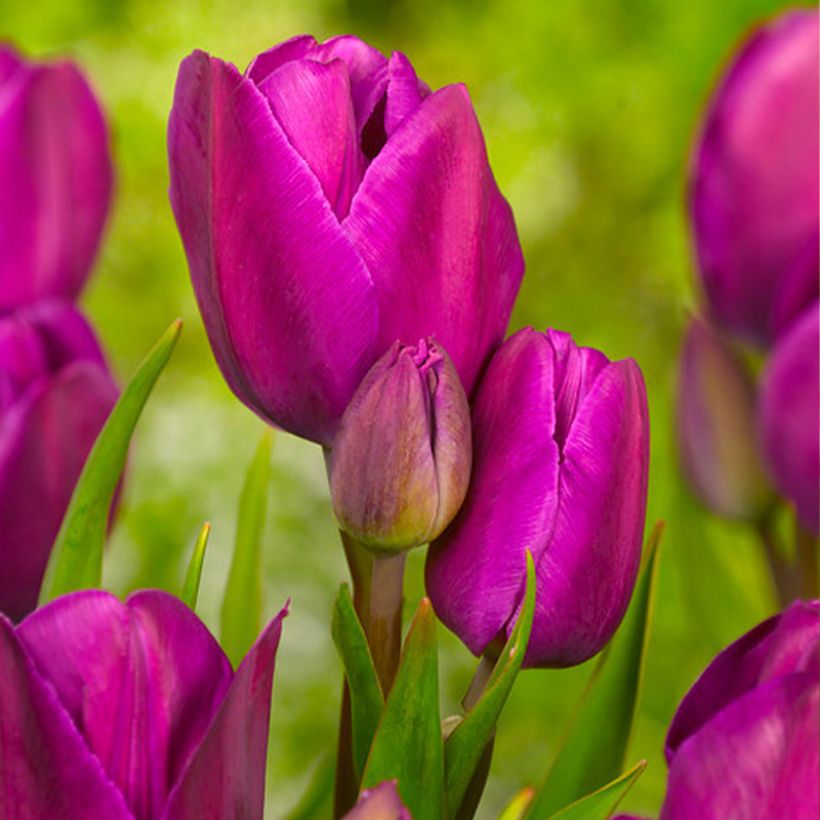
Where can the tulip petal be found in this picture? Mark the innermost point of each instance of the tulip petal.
(254, 220)
(226, 775)
(141, 681)
(44, 440)
(757, 758)
(297, 48)
(404, 92)
(382, 802)
(428, 204)
(475, 571)
(57, 180)
(47, 769)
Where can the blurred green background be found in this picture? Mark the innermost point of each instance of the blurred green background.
(588, 110)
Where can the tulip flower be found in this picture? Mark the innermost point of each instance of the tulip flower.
(790, 416)
(744, 742)
(330, 204)
(130, 712)
(55, 394)
(400, 466)
(57, 178)
(717, 426)
(560, 467)
(754, 182)
(379, 803)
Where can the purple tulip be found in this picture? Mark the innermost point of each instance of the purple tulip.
(560, 467)
(55, 394)
(754, 186)
(56, 174)
(744, 742)
(379, 803)
(717, 426)
(130, 711)
(331, 204)
(790, 416)
(400, 466)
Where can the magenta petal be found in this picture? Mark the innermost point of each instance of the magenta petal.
(382, 802)
(790, 416)
(286, 299)
(404, 92)
(44, 440)
(475, 571)
(226, 776)
(268, 61)
(57, 180)
(47, 770)
(428, 204)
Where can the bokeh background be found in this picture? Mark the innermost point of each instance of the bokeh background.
(589, 109)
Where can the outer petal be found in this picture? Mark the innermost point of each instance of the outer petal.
(757, 758)
(44, 440)
(380, 803)
(790, 416)
(287, 302)
(475, 571)
(437, 236)
(226, 776)
(57, 180)
(587, 571)
(782, 645)
(141, 681)
(47, 770)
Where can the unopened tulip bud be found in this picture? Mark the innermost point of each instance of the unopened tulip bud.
(400, 465)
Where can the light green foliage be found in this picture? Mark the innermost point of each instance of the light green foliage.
(193, 575)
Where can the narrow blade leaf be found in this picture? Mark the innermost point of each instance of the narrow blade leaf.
(190, 588)
(241, 616)
(76, 558)
(517, 807)
(407, 747)
(597, 737)
(602, 803)
(465, 745)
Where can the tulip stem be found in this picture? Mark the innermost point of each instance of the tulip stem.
(478, 684)
(795, 578)
(807, 550)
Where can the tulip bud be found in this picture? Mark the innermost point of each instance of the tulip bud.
(400, 465)
(754, 186)
(561, 460)
(790, 416)
(717, 426)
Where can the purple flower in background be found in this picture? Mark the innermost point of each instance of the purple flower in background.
(400, 465)
(331, 204)
(717, 426)
(130, 712)
(56, 174)
(382, 802)
(754, 185)
(744, 742)
(55, 394)
(560, 467)
(790, 416)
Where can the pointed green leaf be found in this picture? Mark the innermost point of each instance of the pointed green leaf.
(407, 746)
(465, 745)
(190, 588)
(602, 803)
(366, 698)
(517, 807)
(76, 558)
(317, 801)
(596, 740)
(241, 616)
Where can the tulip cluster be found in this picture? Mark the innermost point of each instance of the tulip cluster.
(55, 386)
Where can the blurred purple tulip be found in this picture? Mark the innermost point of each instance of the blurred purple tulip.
(331, 204)
(754, 186)
(790, 416)
(400, 465)
(57, 178)
(560, 467)
(744, 742)
(130, 711)
(382, 802)
(55, 394)
(717, 426)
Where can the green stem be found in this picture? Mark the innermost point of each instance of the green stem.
(781, 571)
(807, 549)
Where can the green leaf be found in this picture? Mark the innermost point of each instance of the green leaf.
(76, 558)
(190, 588)
(366, 698)
(596, 740)
(317, 801)
(465, 745)
(241, 616)
(517, 807)
(602, 803)
(407, 746)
